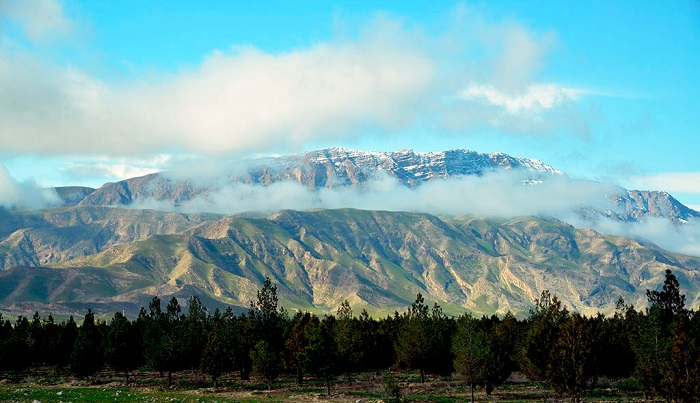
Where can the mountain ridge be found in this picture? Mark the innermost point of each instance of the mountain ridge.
(329, 168)
(333, 168)
(101, 251)
(376, 260)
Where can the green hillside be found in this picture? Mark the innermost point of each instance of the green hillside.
(376, 260)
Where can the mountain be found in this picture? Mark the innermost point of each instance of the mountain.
(338, 167)
(72, 195)
(59, 234)
(636, 204)
(326, 168)
(99, 251)
(376, 260)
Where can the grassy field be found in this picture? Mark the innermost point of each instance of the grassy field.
(192, 387)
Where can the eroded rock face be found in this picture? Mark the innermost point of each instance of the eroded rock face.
(637, 204)
(375, 260)
(60, 234)
(108, 257)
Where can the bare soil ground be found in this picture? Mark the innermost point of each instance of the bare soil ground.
(44, 385)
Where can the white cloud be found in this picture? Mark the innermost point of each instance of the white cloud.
(532, 99)
(681, 239)
(496, 194)
(109, 168)
(239, 100)
(521, 57)
(42, 20)
(24, 195)
(680, 182)
(389, 78)
(107, 171)
(502, 88)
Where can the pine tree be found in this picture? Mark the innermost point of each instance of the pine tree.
(123, 348)
(267, 317)
(470, 347)
(163, 338)
(214, 360)
(650, 344)
(614, 355)
(379, 339)
(51, 335)
(423, 337)
(267, 321)
(68, 332)
(652, 341)
(294, 345)
(235, 334)
(87, 357)
(680, 371)
(543, 327)
(503, 342)
(36, 341)
(669, 301)
(266, 362)
(571, 366)
(245, 333)
(348, 338)
(194, 333)
(14, 351)
(5, 333)
(320, 356)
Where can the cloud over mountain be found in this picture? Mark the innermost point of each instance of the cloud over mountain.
(24, 195)
(499, 194)
(391, 76)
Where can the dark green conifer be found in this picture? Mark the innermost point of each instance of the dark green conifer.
(423, 339)
(123, 352)
(215, 361)
(470, 347)
(87, 357)
(320, 356)
(266, 362)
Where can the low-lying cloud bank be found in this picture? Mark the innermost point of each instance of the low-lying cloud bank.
(681, 239)
(24, 195)
(500, 194)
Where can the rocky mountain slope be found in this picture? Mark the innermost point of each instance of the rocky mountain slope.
(376, 260)
(635, 205)
(326, 168)
(90, 253)
(336, 167)
(59, 234)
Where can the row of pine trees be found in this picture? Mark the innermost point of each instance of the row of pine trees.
(657, 348)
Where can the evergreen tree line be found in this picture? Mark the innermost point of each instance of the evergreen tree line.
(658, 348)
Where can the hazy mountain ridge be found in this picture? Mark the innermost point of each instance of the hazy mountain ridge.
(327, 168)
(338, 167)
(72, 195)
(376, 260)
(343, 167)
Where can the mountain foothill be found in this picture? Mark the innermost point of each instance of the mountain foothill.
(113, 249)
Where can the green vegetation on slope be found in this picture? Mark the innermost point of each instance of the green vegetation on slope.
(376, 260)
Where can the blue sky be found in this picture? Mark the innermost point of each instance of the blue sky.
(92, 92)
